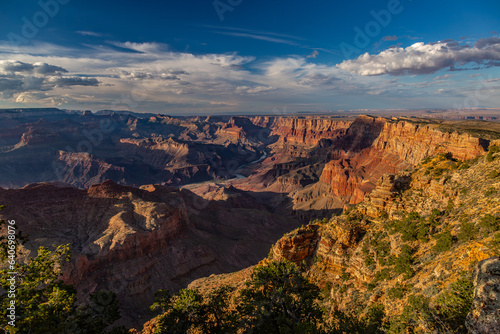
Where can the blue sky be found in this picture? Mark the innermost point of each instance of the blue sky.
(224, 56)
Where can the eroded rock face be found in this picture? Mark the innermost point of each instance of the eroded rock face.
(414, 142)
(135, 241)
(375, 146)
(297, 245)
(484, 317)
(308, 130)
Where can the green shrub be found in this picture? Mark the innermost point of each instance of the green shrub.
(468, 231)
(345, 276)
(489, 224)
(382, 275)
(494, 174)
(412, 228)
(455, 303)
(495, 243)
(444, 242)
(404, 262)
(464, 166)
(396, 292)
(492, 150)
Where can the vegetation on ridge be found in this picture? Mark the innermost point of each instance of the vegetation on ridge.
(402, 264)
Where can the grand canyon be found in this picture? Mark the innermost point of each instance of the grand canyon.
(150, 202)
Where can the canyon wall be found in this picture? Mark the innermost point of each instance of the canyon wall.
(308, 130)
(395, 146)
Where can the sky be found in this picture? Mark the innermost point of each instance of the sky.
(249, 56)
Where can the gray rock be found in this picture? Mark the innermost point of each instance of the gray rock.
(484, 317)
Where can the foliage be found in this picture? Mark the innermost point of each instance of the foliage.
(414, 227)
(444, 241)
(278, 299)
(491, 151)
(455, 303)
(190, 311)
(371, 323)
(468, 231)
(490, 191)
(44, 304)
(489, 224)
(396, 292)
(404, 262)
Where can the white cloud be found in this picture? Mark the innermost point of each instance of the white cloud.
(253, 90)
(152, 77)
(421, 58)
(442, 77)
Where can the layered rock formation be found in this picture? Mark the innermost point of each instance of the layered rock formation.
(408, 248)
(388, 147)
(135, 241)
(308, 130)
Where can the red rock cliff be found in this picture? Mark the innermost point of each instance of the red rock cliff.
(308, 130)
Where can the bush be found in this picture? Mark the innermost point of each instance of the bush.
(345, 275)
(489, 224)
(468, 231)
(455, 303)
(494, 174)
(412, 228)
(444, 242)
(382, 275)
(404, 261)
(396, 292)
(492, 150)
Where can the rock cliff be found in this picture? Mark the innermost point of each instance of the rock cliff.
(484, 317)
(135, 241)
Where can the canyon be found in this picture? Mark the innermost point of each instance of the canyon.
(151, 202)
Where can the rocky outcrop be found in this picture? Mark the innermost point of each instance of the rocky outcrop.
(413, 142)
(344, 180)
(308, 130)
(484, 318)
(382, 198)
(135, 241)
(297, 245)
(376, 146)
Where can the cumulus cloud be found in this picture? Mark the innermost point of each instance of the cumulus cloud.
(72, 81)
(162, 75)
(46, 69)
(17, 77)
(421, 58)
(14, 66)
(152, 77)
